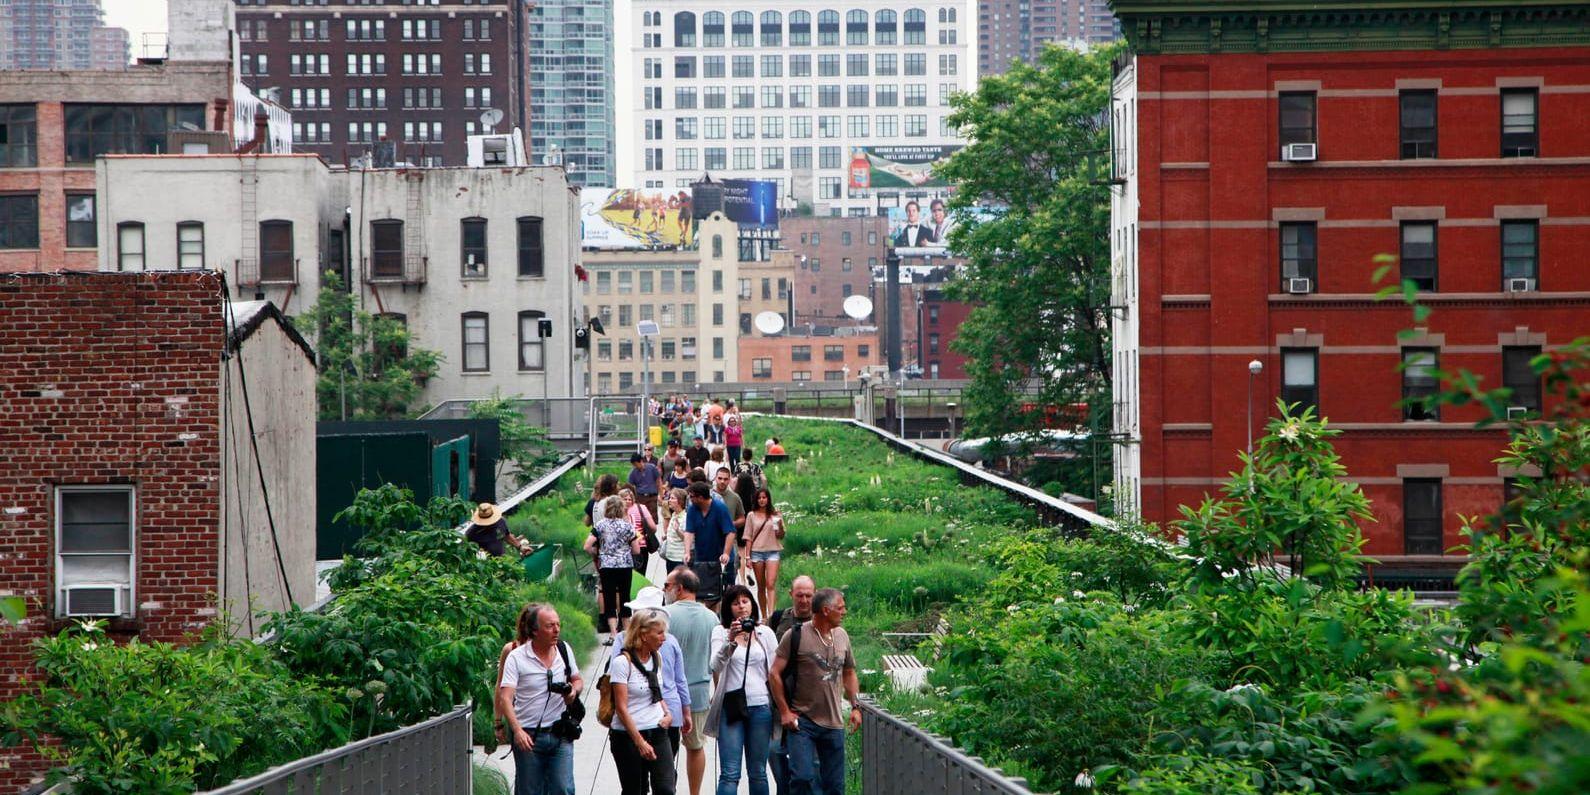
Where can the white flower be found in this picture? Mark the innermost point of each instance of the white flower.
(1059, 600)
(1084, 780)
(850, 554)
(1289, 432)
(1011, 608)
(90, 645)
(1078, 595)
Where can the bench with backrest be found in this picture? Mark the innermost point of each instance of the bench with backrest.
(907, 671)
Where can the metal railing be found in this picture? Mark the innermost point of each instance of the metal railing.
(414, 269)
(251, 273)
(425, 758)
(900, 759)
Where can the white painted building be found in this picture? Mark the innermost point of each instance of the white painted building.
(1127, 409)
(471, 260)
(789, 92)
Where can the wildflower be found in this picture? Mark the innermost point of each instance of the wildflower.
(1078, 595)
(1011, 608)
(1289, 432)
(1059, 600)
(850, 554)
(1084, 780)
(90, 645)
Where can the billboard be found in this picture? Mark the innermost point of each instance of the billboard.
(920, 227)
(751, 202)
(625, 218)
(898, 166)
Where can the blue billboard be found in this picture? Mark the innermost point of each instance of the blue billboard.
(751, 202)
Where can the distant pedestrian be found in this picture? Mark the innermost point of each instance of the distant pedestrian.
(764, 539)
(639, 734)
(709, 537)
(673, 532)
(606, 486)
(733, 437)
(692, 624)
(697, 454)
(614, 542)
(813, 722)
(741, 715)
(645, 477)
(539, 682)
(645, 525)
(489, 529)
(715, 462)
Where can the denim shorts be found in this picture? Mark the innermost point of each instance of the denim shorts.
(764, 556)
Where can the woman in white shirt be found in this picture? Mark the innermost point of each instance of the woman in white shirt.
(742, 654)
(639, 735)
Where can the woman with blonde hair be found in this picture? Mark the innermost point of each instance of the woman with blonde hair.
(639, 734)
(714, 462)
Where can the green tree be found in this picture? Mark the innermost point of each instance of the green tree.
(1038, 266)
(525, 446)
(368, 370)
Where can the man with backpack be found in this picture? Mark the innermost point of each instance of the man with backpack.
(782, 621)
(811, 665)
(537, 698)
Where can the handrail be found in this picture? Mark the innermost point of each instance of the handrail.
(920, 763)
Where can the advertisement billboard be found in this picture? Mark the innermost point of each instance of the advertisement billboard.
(751, 202)
(898, 166)
(921, 228)
(625, 218)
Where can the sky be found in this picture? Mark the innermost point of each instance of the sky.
(138, 17)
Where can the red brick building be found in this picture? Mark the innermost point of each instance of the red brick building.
(1266, 158)
(835, 258)
(805, 359)
(939, 322)
(117, 498)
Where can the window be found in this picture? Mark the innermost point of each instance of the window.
(1421, 516)
(712, 29)
(761, 368)
(477, 343)
(472, 238)
(1298, 254)
(18, 130)
(800, 375)
(1297, 118)
(1419, 382)
(94, 130)
(1419, 254)
(95, 543)
(276, 251)
(1520, 251)
(687, 347)
(687, 284)
(531, 347)
(717, 253)
(915, 63)
(626, 315)
(532, 257)
(1417, 114)
(828, 29)
(742, 29)
(916, 95)
(1300, 376)
(684, 29)
(800, 29)
(884, 27)
(916, 26)
(1520, 123)
(856, 97)
(82, 230)
(933, 342)
(1520, 377)
(717, 347)
(888, 65)
(863, 351)
(130, 246)
(772, 29)
(743, 66)
(828, 66)
(386, 248)
(717, 315)
(190, 245)
(833, 353)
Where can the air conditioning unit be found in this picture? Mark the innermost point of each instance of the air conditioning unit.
(1299, 153)
(1520, 285)
(1515, 413)
(1299, 286)
(95, 599)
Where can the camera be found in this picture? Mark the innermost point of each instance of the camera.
(565, 729)
(561, 688)
(748, 625)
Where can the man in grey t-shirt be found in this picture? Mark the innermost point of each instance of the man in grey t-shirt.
(692, 623)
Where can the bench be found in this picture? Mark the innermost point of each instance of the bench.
(905, 670)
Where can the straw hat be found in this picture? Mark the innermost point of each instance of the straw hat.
(486, 514)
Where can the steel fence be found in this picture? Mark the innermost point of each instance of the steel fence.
(900, 759)
(426, 758)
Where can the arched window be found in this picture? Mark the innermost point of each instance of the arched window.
(916, 26)
(684, 29)
(886, 27)
(743, 29)
(712, 29)
(800, 29)
(856, 27)
(772, 29)
(828, 28)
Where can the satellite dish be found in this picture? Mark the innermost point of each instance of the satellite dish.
(769, 323)
(858, 306)
(490, 118)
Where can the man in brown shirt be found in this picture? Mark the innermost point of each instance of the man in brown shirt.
(814, 725)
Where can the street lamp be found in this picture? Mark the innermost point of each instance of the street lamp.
(646, 329)
(582, 340)
(1254, 368)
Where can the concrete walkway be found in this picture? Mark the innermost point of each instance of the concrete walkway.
(593, 762)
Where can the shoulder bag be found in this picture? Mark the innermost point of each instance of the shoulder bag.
(735, 709)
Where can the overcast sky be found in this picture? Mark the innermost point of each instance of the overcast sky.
(138, 17)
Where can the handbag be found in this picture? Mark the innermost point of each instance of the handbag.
(651, 542)
(604, 705)
(734, 708)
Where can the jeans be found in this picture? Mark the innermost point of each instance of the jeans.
(734, 457)
(816, 759)
(546, 769)
(748, 738)
(778, 760)
(635, 772)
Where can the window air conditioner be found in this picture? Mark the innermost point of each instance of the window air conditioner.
(1299, 286)
(1515, 413)
(1520, 285)
(1299, 153)
(95, 599)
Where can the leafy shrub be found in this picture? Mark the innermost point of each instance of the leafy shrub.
(1196, 775)
(157, 718)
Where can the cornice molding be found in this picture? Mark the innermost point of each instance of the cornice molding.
(1249, 26)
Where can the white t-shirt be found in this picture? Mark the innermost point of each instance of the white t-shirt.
(525, 673)
(641, 709)
(734, 672)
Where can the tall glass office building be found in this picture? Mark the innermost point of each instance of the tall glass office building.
(571, 88)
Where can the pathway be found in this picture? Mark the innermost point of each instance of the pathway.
(593, 762)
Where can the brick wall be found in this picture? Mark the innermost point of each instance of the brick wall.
(109, 378)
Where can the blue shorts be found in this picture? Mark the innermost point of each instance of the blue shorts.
(764, 557)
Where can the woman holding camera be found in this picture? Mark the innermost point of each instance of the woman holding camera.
(741, 715)
(540, 682)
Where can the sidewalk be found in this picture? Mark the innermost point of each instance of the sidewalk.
(593, 762)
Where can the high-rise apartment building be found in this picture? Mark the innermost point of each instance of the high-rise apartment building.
(1017, 30)
(415, 72)
(58, 34)
(783, 91)
(571, 89)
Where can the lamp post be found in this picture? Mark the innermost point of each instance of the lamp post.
(582, 339)
(951, 406)
(646, 329)
(1254, 368)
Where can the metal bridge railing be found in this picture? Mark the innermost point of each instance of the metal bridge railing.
(900, 759)
(426, 758)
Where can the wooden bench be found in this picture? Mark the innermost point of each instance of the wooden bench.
(906, 671)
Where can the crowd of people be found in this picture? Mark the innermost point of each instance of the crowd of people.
(705, 655)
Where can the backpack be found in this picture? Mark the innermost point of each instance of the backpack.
(792, 665)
